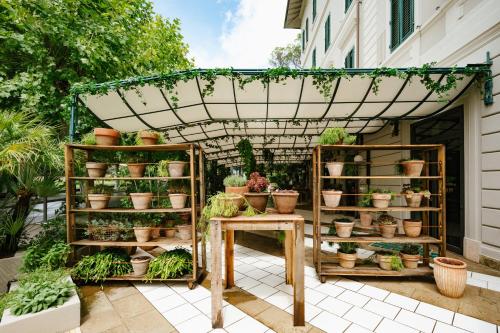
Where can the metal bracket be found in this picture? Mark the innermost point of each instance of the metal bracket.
(488, 83)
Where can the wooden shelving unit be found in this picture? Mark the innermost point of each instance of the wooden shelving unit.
(434, 171)
(196, 201)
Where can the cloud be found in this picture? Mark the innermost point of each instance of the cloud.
(248, 36)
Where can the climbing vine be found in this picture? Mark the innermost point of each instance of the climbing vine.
(246, 153)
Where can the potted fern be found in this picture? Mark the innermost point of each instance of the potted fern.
(411, 255)
(336, 136)
(387, 225)
(347, 254)
(381, 198)
(414, 194)
(257, 196)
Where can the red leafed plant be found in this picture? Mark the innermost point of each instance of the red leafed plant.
(257, 183)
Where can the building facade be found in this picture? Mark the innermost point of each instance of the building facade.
(405, 33)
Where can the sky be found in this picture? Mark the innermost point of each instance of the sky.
(230, 33)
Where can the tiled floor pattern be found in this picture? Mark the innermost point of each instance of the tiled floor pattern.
(340, 305)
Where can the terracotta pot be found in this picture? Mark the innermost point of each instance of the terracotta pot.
(149, 138)
(413, 168)
(236, 200)
(142, 234)
(365, 218)
(155, 232)
(335, 168)
(412, 228)
(410, 260)
(170, 232)
(98, 201)
(384, 262)
(96, 169)
(140, 265)
(332, 198)
(176, 168)
(388, 230)
(450, 275)
(178, 200)
(414, 200)
(285, 202)
(241, 190)
(136, 169)
(106, 136)
(257, 200)
(381, 200)
(344, 229)
(141, 200)
(184, 231)
(347, 260)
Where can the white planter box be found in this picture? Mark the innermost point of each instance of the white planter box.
(58, 319)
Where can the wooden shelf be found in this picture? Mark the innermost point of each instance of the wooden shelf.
(372, 270)
(373, 239)
(130, 210)
(380, 147)
(382, 177)
(160, 147)
(388, 209)
(154, 242)
(129, 178)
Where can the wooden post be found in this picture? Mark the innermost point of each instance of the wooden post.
(192, 173)
(298, 275)
(68, 171)
(318, 208)
(288, 256)
(216, 278)
(229, 258)
(201, 171)
(315, 221)
(442, 181)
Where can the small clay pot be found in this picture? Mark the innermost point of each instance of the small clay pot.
(285, 202)
(178, 200)
(141, 200)
(344, 229)
(381, 200)
(413, 200)
(332, 198)
(140, 265)
(365, 219)
(98, 201)
(347, 260)
(410, 260)
(412, 228)
(149, 138)
(170, 232)
(450, 275)
(388, 230)
(142, 234)
(241, 190)
(106, 136)
(96, 169)
(335, 168)
(136, 169)
(413, 168)
(176, 168)
(184, 231)
(257, 200)
(155, 232)
(384, 261)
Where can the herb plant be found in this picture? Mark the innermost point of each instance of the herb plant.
(348, 247)
(170, 264)
(235, 181)
(412, 249)
(396, 263)
(99, 266)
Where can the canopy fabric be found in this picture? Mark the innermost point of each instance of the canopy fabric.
(281, 116)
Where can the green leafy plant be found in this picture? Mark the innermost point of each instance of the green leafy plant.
(163, 168)
(386, 219)
(366, 200)
(101, 189)
(409, 191)
(412, 249)
(396, 263)
(246, 153)
(99, 266)
(336, 136)
(383, 191)
(170, 264)
(234, 181)
(348, 247)
(56, 257)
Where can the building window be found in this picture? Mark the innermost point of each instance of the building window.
(303, 40)
(349, 59)
(307, 30)
(402, 21)
(347, 5)
(314, 10)
(327, 33)
(314, 58)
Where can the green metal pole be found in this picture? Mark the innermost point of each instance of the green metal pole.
(74, 114)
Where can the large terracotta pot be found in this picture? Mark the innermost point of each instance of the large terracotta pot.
(388, 230)
(344, 229)
(332, 198)
(106, 136)
(241, 190)
(140, 265)
(413, 168)
(412, 228)
(176, 168)
(184, 231)
(347, 260)
(96, 169)
(450, 275)
(149, 138)
(384, 261)
(178, 200)
(141, 200)
(142, 234)
(285, 202)
(381, 200)
(410, 260)
(365, 218)
(257, 200)
(335, 168)
(414, 200)
(136, 169)
(98, 201)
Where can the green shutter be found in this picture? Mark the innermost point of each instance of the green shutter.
(303, 41)
(349, 59)
(327, 33)
(314, 58)
(314, 9)
(402, 21)
(347, 5)
(307, 30)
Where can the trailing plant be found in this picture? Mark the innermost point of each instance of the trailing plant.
(170, 264)
(386, 219)
(412, 249)
(234, 181)
(56, 257)
(257, 183)
(336, 136)
(396, 263)
(408, 191)
(163, 168)
(246, 153)
(348, 247)
(99, 266)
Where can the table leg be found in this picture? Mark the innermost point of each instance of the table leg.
(298, 276)
(216, 278)
(289, 256)
(229, 258)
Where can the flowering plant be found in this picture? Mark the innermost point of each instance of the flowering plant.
(409, 191)
(257, 183)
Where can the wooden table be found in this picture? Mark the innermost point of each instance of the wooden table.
(292, 224)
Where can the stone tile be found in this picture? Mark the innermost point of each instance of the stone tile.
(349, 284)
(205, 306)
(199, 323)
(169, 302)
(277, 320)
(310, 311)
(118, 329)
(402, 301)
(262, 264)
(196, 294)
(374, 292)
(262, 291)
(311, 282)
(353, 298)
(247, 283)
(272, 280)
(416, 321)
(179, 287)
(485, 277)
(477, 283)
(274, 269)
(356, 329)
(257, 274)
(245, 268)
(280, 299)
(238, 275)
(389, 326)
(249, 260)
(481, 307)
(100, 321)
(231, 314)
(117, 291)
(310, 271)
(181, 313)
(382, 308)
(363, 318)
(247, 325)
(148, 322)
(334, 306)
(445, 328)
(473, 324)
(494, 286)
(312, 296)
(287, 288)
(329, 289)
(330, 323)
(158, 293)
(437, 299)
(247, 303)
(435, 312)
(131, 305)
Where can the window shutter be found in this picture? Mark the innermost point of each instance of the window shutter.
(327, 33)
(394, 23)
(349, 59)
(407, 19)
(314, 9)
(402, 21)
(303, 41)
(307, 30)
(314, 58)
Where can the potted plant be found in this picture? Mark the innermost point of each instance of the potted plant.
(140, 265)
(106, 136)
(412, 227)
(410, 167)
(450, 275)
(184, 231)
(99, 196)
(347, 254)
(155, 225)
(331, 197)
(170, 228)
(177, 193)
(411, 255)
(238, 185)
(389, 261)
(142, 229)
(257, 196)
(381, 198)
(336, 136)
(96, 169)
(285, 201)
(387, 225)
(343, 226)
(365, 218)
(414, 195)
(147, 137)
(170, 265)
(135, 164)
(141, 200)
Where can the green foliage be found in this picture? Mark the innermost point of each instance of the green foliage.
(234, 181)
(409, 191)
(396, 263)
(99, 266)
(5, 299)
(348, 247)
(409, 248)
(386, 219)
(383, 191)
(170, 264)
(246, 153)
(366, 200)
(50, 258)
(11, 231)
(336, 136)
(287, 56)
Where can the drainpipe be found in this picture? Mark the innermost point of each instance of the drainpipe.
(358, 18)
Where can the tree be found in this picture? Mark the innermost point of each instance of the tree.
(46, 46)
(287, 56)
